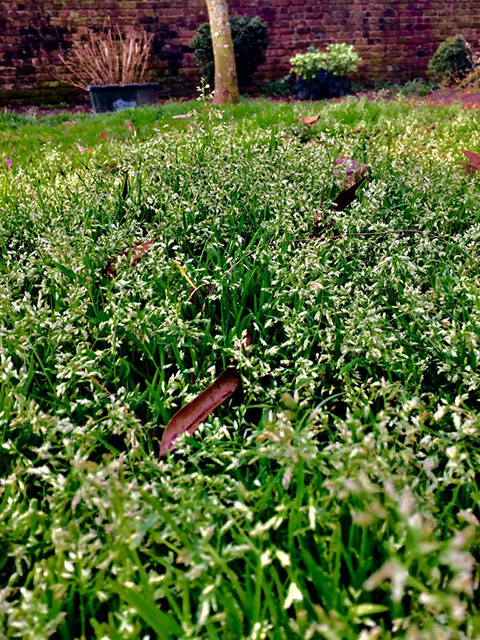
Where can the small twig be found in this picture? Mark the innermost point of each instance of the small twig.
(103, 388)
(240, 260)
(390, 232)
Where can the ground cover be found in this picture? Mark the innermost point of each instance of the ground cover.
(336, 496)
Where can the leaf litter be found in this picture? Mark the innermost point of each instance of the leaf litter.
(191, 416)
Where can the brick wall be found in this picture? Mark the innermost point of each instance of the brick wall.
(394, 37)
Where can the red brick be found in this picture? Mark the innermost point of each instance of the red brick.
(387, 33)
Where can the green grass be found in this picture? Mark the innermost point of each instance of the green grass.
(337, 496)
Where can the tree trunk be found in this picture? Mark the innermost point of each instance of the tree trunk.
(226, 85)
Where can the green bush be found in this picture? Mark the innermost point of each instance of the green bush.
(250, 41)
(338, 59)
(452, 61)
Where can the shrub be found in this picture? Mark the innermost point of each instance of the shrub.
(322, 74)
(338, 59)
(452, 61)
(250, 41)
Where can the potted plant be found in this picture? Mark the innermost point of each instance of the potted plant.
(112, 68)
(323, 74)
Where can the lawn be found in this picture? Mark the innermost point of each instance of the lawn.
(335, 496)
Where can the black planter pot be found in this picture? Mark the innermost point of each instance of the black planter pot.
(115, 97)
(324, 85)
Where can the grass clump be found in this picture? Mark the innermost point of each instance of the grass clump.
(338, 496)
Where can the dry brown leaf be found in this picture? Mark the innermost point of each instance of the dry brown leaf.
(198, 295)
(309, 120)
(126, 187)
(136, 253)
(323, 223)
(191, 416)
(130, 126)
(350, 169)
(469, 168)
(347, 196)
(246, 342)
(474, 161)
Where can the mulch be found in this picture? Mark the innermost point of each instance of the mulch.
(470, 98)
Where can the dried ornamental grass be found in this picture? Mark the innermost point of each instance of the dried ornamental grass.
(107, 58)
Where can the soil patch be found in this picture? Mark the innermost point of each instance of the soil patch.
(469, 97)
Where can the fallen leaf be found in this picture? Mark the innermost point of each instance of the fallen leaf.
(310, 119)
(136, 253)
(474, 160)
(125, 187)
(349, 168)
(130, 126)
(139, 250)
(469, 168)
(184, 274)
(198, 295)
(347, 196)
(246, 342)
(356, 130)
(345, 166)
(191, 416)
(323, 223)
(111, 166)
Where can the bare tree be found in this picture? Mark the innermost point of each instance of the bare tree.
(226, 84)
